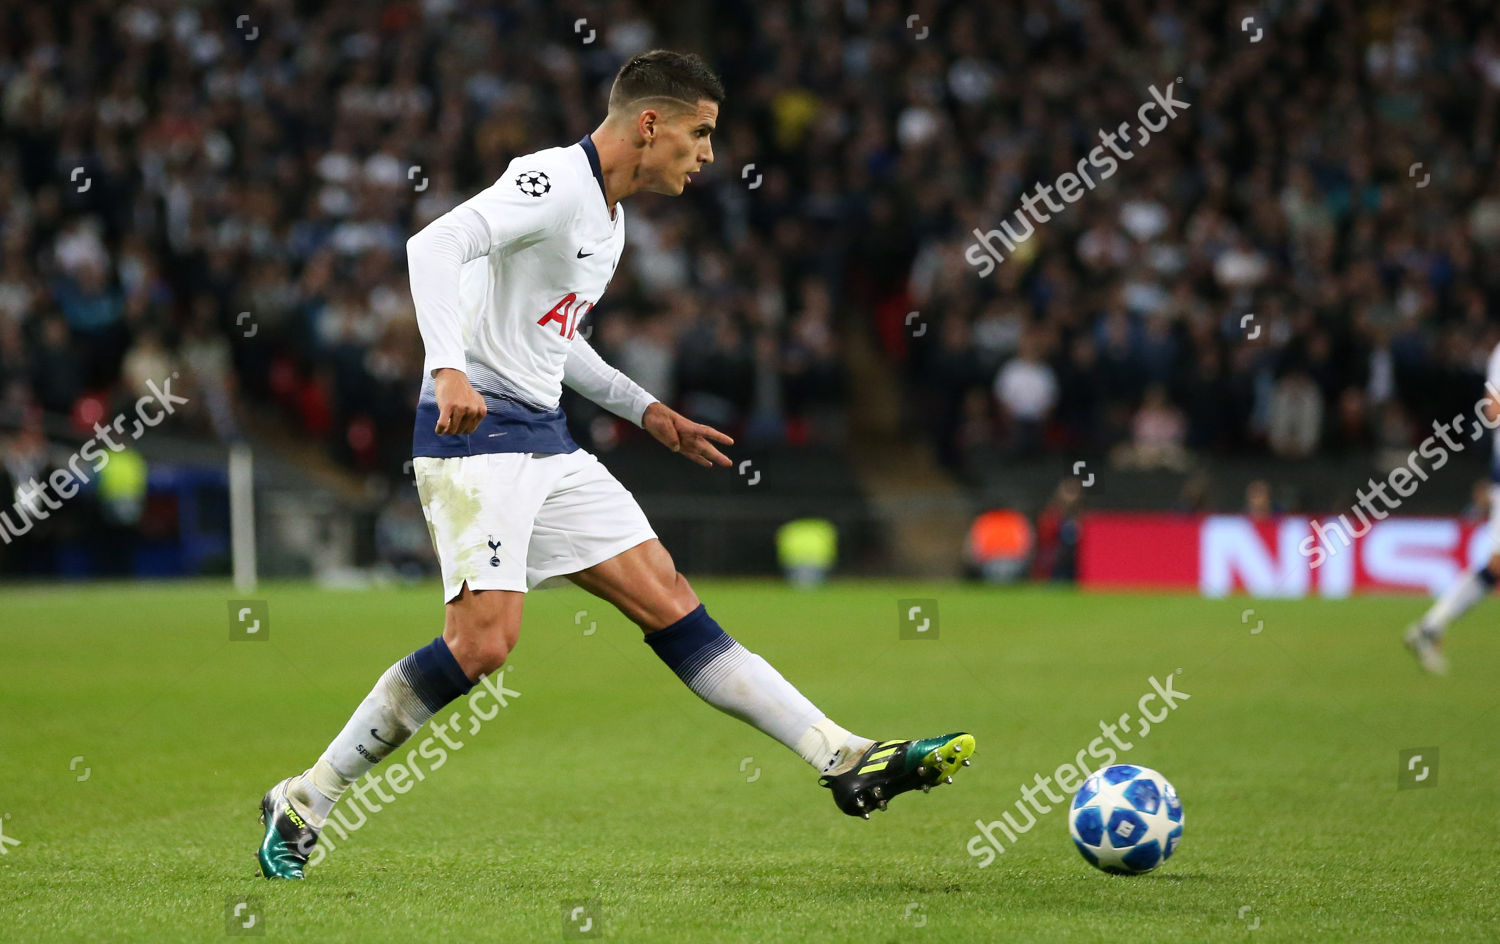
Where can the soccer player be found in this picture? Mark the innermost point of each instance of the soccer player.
(1425, 637)
(501, 284)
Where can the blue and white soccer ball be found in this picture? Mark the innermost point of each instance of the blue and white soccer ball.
(1126, 820)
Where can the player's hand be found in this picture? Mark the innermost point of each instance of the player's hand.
(460, 407)
(680, 434)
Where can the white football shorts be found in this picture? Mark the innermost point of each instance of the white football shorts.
(512, 520)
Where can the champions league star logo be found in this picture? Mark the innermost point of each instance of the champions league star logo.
(494, 553)
(533, 183)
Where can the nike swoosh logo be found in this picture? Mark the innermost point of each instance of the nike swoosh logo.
(380, 739)
(582, 254)
(493, 435)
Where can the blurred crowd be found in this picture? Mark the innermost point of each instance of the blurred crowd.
(188, 188)
(1303, 261)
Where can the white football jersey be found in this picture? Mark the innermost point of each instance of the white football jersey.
(553, 249)
(531, 255)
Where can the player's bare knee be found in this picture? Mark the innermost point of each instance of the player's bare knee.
(488, 656)
(480, 630)
(478, 650)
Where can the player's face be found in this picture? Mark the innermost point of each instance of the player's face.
(679, 148)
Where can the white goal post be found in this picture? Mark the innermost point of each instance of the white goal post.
(242, 516)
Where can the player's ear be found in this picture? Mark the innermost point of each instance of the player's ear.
(648, 121)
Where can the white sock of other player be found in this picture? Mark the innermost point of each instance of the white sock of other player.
(1457, 600)
(405, 698)
(740, 683)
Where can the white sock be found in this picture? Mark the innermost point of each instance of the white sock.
(316, 791)
(406, 697)
(740, 683)
(830, 748)
(1457, 600)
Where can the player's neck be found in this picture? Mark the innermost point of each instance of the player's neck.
(618, 162)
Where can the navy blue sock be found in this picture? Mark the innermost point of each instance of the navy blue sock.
(690, 644)
(434, 675)
(1486, 577)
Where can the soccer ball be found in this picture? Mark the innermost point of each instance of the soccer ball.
(1126, 820)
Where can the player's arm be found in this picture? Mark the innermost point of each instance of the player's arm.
(586, 372)
(1491, 407)
(502, 216)
(434, 259)
(680, 434)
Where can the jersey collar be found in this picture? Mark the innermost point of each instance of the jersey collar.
(587, 143)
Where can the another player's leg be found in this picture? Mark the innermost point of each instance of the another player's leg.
(1425, 637)
(863, 774)
(479, 631)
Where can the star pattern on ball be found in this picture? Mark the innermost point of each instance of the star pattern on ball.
(533, 183)
(1119, 826)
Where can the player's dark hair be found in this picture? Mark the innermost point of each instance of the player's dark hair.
(662, 73)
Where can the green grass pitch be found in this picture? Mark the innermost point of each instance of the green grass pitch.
(136, 740)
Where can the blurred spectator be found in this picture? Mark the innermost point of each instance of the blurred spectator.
(1157, 435)
(1296, 416)
(1477, 511)
(1057, 532)
(205, 359)
(148, 361)
(1258, 504)
(94, 311)
(57, 371)
(1026, 390)
(1193, 497)
(26, 509)
(812, 372)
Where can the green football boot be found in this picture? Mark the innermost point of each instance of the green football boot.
(890, 768)
(289, 838)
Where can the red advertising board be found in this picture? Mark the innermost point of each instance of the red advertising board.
(1287, 556)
